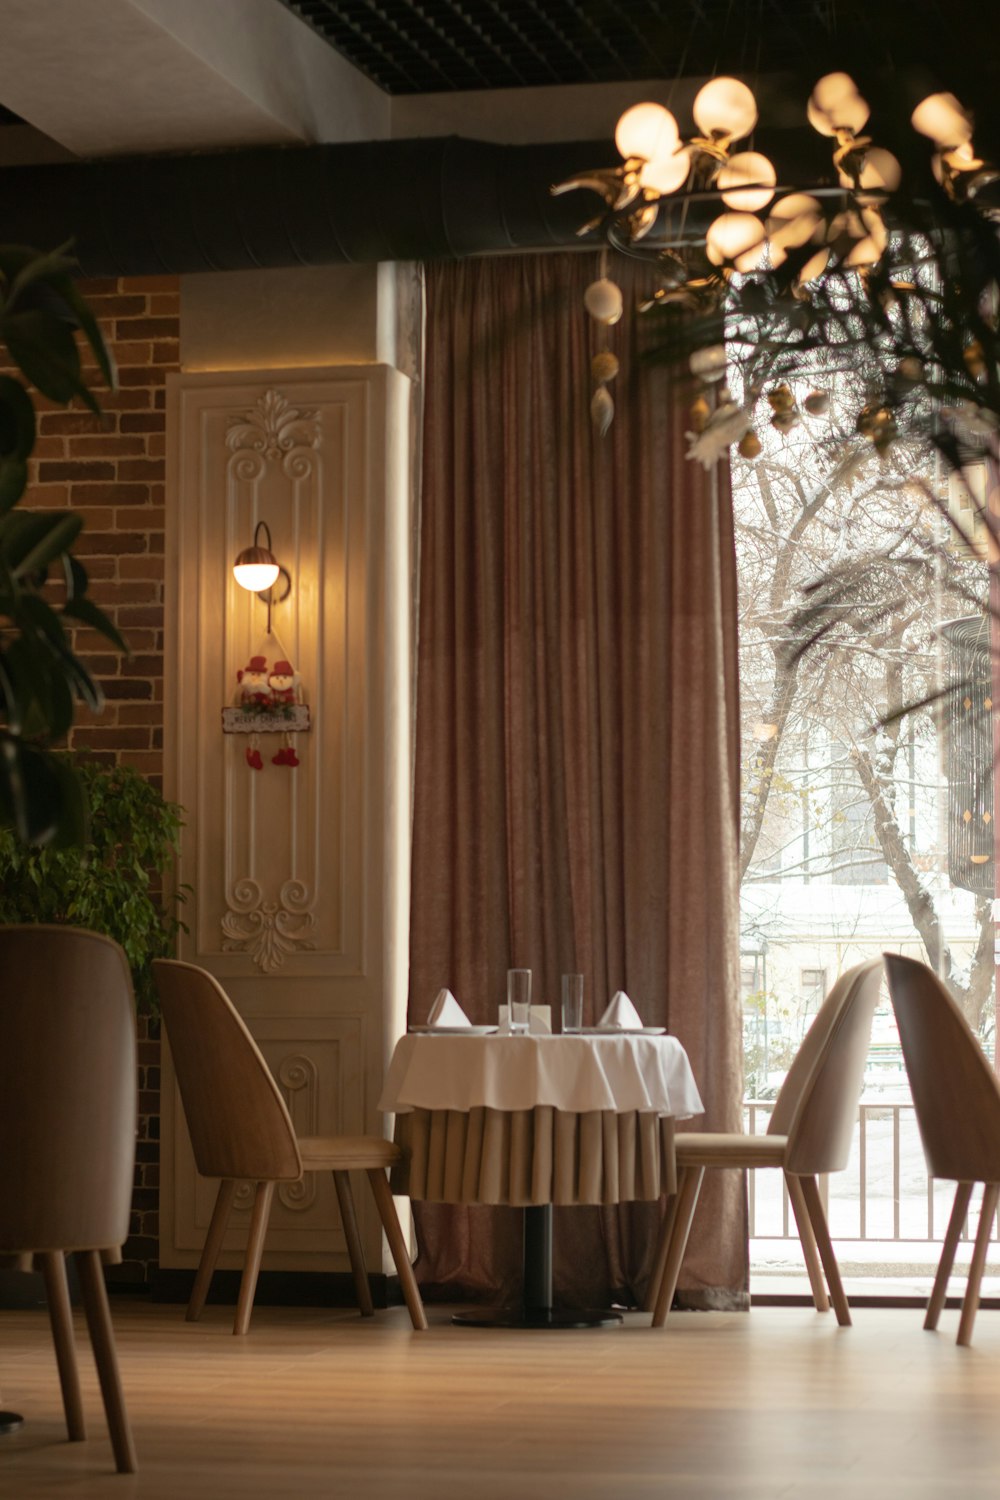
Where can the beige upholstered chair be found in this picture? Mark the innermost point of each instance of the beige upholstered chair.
(241, 1130)
(809, 1132)
(957, 1100)
(67, 1136)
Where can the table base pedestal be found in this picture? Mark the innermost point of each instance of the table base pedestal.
(536, 1317)
(537, 1310)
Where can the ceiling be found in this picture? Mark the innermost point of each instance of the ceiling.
(431, 46)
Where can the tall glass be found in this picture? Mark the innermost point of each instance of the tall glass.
(572, 1002)
(519, 999)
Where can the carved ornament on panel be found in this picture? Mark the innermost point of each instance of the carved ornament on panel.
(268, 931)
(273, 427)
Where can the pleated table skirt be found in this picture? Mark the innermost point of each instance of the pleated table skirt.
(534, 1156)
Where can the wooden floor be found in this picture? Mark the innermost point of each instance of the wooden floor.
(776, 1403)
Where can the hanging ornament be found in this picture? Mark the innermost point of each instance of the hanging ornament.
(603, 300)
(602, 410)
(604, 366)
(749, 445)
(817, 403)
(699, 413)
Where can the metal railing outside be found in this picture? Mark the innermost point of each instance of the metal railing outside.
(883, 1195)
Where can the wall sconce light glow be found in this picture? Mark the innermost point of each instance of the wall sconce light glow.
(725, 107)
(835, 105)
(257, 570)
(736, 238)
(648, 131)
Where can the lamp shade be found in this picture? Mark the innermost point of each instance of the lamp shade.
(835, 104)
(648, 131)
(665, 174)
(736, 238)
(725, 107)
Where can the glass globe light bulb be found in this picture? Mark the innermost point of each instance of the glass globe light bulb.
(725, 107)
(603, 300)
(735, 238)
(941, 117)
(648, 131)
(665, 174)
(794, 220)
(880, 172)
(255, 575)
(814, 267)
(747, 181)
(835, 104)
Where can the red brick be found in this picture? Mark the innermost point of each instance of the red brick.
(110, 494)
(145, 566)
(96, 518)
(109, 595)
(165, 305)
(102, 665)
(139, 713)
(148, 328)
(116, 738)
(140, 468)
(131, 378)
(49, 447)
(146, 761)
(109, 543)
(75, 469)
(152, 283)
(74, 421)
(156, 444)
(47, 496)
(111, 446)
(117, 305)
(167, 352)
(140, 614)
(133, 400)
(133, 688)
(130, 352)
(143, 422)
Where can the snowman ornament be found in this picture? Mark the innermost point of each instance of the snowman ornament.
(283, 685)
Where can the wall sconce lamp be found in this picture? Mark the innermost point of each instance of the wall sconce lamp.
(258, 570)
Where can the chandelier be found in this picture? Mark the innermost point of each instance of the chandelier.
(838, 232)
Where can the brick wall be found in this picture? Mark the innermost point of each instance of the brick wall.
(112, 470)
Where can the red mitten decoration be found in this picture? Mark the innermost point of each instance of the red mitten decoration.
(291, 759)
(280, 758)
(254, 761)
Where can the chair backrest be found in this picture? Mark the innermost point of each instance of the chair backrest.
(955, 1091)
(68, 1090)
(236, 1117)
(818, 1103)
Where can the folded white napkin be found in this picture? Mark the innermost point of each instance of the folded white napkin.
(621, 1014)
(446, 1011)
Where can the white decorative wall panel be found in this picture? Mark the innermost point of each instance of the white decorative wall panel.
(298, 873)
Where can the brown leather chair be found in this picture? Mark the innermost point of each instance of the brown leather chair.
(67, 1136)
(957, 1099)
(809, 1132)
(241, 1130)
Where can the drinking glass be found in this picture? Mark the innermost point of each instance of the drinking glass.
(519, 999)
(572, 1002)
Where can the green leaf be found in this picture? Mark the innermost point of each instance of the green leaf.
(13, 482)
(54, 534)
(87, 612)
(17, 419)
(45, 349)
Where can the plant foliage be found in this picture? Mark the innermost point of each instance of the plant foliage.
(112, 883)
(43, 588)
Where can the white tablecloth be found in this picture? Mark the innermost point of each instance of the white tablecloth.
(620, 1072)
(537, 1119)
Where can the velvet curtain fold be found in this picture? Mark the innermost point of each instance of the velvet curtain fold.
(576, 775)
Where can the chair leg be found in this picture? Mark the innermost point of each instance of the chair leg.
(814, 1208)
(808, 1240)
(662, 1247)
(349, 1219)
(970, 1304)
(255, 1250)
(397, 1245)
(102, 1338)
(210, 1252)
(939, 1291)
(53, 1264)
(689, 1182)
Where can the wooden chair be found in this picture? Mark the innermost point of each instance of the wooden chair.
(957, 1100)
(809, 1132)
(67, 1136)
(241, 1130)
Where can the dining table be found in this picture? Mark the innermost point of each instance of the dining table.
(536, 1120)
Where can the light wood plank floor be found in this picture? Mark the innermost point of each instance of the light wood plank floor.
(777, 1403)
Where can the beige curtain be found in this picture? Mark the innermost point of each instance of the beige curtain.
(576, 750)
